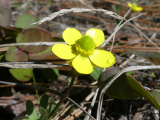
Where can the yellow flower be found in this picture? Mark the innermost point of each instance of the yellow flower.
(135, 7)
(80, 51)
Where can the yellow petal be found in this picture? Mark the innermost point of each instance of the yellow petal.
(102, 58)
(139, 9)
(63, 51)
(82, 64)
(70, 35)
(130, 5)
(97, 35)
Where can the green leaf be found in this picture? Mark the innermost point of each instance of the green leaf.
(31, 110)
(51, 107)
(5, 13)
(69, 81)
(106, 76)
(47, 55)
(156, 94)
(44, 101)
(33, 35)
(14, 54)
(124, 87)
(22, 75)
(44, 114)
(57, 39)
(153, 57)
(153, 74)
(2, 54)
(25, 21)
(51, 74)
(44, 55)
(96, 72)
(120, 89)
(10, 33)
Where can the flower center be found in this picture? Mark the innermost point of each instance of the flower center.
(85, 45)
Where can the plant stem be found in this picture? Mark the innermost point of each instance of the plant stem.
(64, 97)
(34, 81)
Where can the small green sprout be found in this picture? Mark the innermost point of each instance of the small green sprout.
(80, 51)
(135, 7)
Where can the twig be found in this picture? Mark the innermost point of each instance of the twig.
(31, 43)
(127, 21)
(131, 68)
(50, 84)
(63, 110)
(92, 104)
(106, 41)
(126, 61)
(27, 65)
(74, 115)
(81, 108)
(118, 27)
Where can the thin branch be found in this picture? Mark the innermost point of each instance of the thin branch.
(92, 104)
(31, 43)
(118, 27)
(53, 84)
(116, 30)
(127, 21)
(27, 65)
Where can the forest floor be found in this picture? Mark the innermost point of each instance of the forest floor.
(130, 47)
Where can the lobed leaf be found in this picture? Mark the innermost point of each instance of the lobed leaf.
(31, 110)
(14, 54)
(125, 87)
(96, 72)
(25, 21)
(153, 57)
(44, 101)
(51, 74)
(33, 35)
(9, 32)
(22, 75)
(44, 114)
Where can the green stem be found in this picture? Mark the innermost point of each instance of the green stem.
(64, 97)
(34, 81)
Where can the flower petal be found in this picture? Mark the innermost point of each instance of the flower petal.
(70, 35)
(63, 51)
(82, 64)
(102, 58)
(130, 5)
(139, 9)
(97, 35)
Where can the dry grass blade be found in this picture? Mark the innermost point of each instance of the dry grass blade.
(77, 10)
(118, 27)
(116, 30)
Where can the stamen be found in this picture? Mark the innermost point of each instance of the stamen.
(85, 45)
